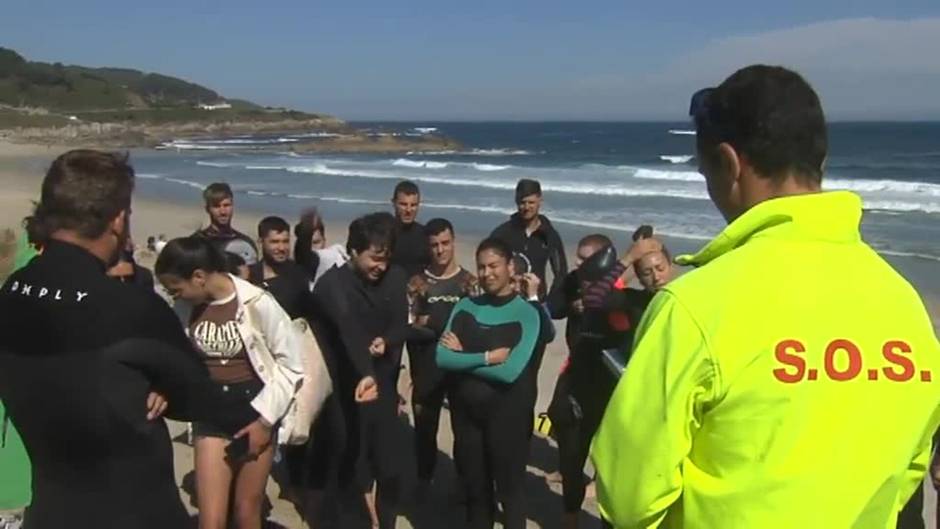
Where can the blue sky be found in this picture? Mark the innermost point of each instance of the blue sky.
(500, 60)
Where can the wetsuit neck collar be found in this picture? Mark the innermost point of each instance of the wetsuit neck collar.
(74, 254)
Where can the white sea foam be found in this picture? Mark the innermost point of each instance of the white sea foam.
(676, 158)
(419, 164)
(489, 167)
(872, 186)
(676, 176)
(425, 130)
(681, 132)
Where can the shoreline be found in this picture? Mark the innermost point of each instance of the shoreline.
(23, 165)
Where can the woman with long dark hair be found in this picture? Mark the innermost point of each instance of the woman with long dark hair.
(494, 343)
(246, 341)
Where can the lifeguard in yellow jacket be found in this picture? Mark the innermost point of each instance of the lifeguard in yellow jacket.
(793, 379)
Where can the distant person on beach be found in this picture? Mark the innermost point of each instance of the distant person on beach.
(788, 381)
(532, 237)
(276, 272)
(248, 345)
(440, 287)
(492, 345)
(220, 205)
(411, 245)
(361, 319)
(310, 247)
(88, 364)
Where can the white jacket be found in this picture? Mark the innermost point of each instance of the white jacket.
(273, 350)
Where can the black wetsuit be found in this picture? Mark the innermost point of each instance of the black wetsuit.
(290, 287)
(348, 314)
(429, 381)
(609, 321)
(79, 352)
(411, 251)
(492, 406)
(232, 241)
(542, 248)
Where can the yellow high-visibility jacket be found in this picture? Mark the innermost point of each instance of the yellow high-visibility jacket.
(791, 381)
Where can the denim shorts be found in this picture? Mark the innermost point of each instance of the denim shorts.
(240, 394)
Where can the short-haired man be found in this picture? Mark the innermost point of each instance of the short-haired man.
(533, 238)
(361, 317)
(442, 285)
(220, 205)
(785, 392)
(276, 272)
(411, 245)
(80, 352)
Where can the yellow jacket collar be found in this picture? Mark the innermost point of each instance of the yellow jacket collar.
(830, 216)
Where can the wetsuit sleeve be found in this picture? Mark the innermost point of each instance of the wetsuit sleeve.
(334, 305)
(451, 360)
(559, 300)
(546, 326)
(596, 295)
(399, 331)
(190, 394)
(652, 417)
(510, 370)
(559, 263)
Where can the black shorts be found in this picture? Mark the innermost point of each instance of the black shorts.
(238, 394)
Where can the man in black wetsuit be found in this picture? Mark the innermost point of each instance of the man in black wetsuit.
(441, 286)
(533, 238)
(276, 272)
(220, 205)
(79, 354)
(611, 311)
(361, 319)
(411, 245)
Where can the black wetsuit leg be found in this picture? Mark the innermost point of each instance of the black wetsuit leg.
(427, 414)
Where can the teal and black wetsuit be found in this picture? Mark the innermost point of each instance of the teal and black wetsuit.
(492, 406)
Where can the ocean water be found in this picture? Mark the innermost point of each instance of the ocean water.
(596, 176)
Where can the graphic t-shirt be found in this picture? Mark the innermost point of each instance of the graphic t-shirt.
(214, 332)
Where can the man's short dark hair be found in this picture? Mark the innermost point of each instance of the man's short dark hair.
(375, 230)
(597, 240)
(217, 192)
(497, 246)
(269, 224)
(406, 187)
(772, 117)
(83, 191)
(436, 227)
(526, 188)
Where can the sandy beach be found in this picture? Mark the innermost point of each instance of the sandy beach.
(21, 171)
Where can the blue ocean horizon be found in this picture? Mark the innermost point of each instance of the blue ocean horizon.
(596, 176)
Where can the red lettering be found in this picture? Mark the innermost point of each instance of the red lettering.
(854, 356)
(894, 352)
(784, 356)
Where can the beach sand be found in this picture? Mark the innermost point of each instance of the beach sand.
(21, 171)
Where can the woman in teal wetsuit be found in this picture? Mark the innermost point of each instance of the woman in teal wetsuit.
(493, 344)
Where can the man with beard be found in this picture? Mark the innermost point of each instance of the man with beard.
(84, 360)
(411, 244)
(220, 205)
(533, 238)
(442, 285)
(276, 272)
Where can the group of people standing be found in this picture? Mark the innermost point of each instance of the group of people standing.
(232, 368)
(745, 402)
